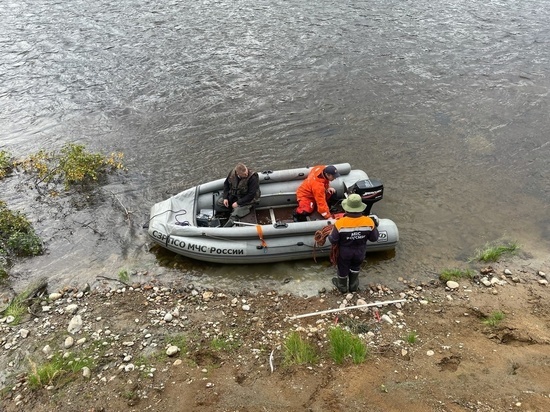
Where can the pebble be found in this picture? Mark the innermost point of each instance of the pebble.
(451, 284)
(387, 319)
(86, 372)
(72, 308)
(172, 350)
(543, 281)
(430, 353)
(69, 342)
(362, 302)
(75, 324)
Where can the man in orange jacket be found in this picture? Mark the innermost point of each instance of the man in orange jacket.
(314, 192)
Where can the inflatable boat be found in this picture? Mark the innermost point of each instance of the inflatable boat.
(188, 224)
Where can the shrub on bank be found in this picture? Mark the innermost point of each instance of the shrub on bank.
(72, 165)
(6, 164)
(17, 236)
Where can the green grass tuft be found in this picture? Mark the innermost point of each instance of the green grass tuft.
(493, 253)
(494, 318)
(224, 344)
(17, 307)
(55, 369)
(345, 345)
(411, 338)
(298, 351)
(455, 274)
(177, 340)
(123, 276)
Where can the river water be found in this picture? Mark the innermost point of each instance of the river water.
(446, 102)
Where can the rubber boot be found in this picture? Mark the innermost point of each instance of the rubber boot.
(299, 217)
(341, 284)
(353, 280)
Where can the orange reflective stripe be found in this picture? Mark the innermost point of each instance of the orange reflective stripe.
(261, 235)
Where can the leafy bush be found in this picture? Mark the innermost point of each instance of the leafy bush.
(6, 164)
(17, 237)
(72, 165)
(3, 270)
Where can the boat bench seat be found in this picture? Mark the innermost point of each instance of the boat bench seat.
(280, 199)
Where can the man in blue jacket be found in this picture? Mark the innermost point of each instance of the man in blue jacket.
(351, 233)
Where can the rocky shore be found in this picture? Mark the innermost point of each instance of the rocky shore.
(179, 347)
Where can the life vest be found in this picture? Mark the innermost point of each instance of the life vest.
(238, 186)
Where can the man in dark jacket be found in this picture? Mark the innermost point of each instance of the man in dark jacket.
(241, 190)
(351, 233)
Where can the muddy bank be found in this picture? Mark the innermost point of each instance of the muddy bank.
(158, 347)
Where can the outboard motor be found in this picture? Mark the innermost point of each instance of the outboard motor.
(370, 190)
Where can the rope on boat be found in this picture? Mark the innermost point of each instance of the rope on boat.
(261, 236)
(320, 238)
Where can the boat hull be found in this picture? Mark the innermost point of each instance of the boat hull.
(275, 237)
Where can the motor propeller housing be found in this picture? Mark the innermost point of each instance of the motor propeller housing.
(370, 190)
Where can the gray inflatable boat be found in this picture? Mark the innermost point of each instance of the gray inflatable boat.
(187, 223)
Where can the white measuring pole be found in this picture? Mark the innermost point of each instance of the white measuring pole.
(387, 302)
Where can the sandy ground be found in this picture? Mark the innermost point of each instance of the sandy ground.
(231, 348)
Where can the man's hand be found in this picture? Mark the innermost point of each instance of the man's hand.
(331, 190)
(234, 205)
(375, 219)
(226, 202)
